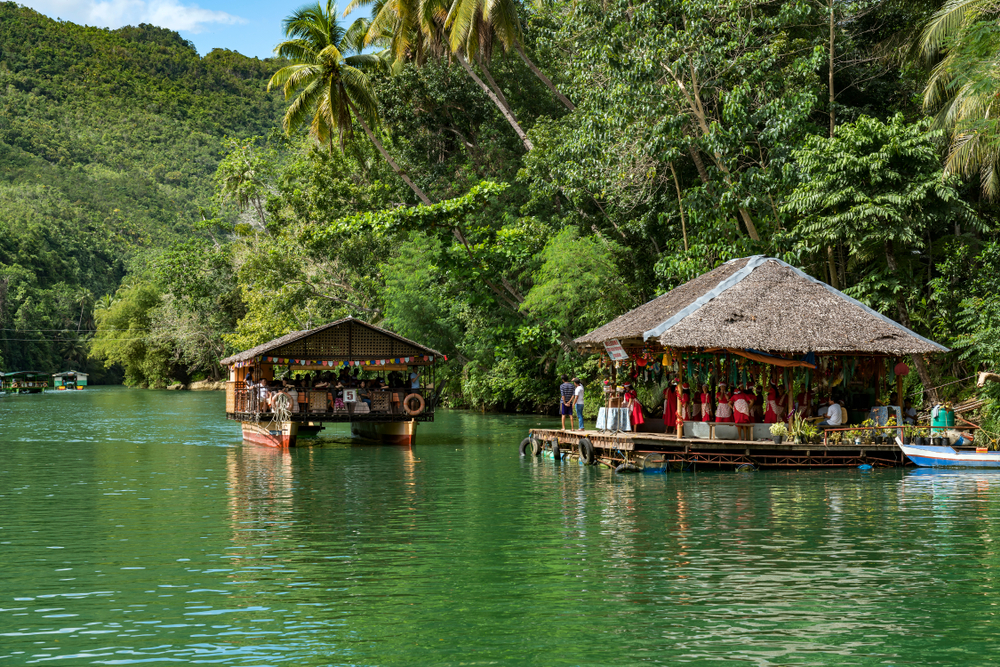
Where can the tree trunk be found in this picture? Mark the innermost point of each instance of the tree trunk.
(699, 165)
(392, 163)
(832, 263)
(904, 319)
(832, 111)
(503, 109)
(548, 83)
(680, 205)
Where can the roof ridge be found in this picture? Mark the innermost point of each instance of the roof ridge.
(753, 262)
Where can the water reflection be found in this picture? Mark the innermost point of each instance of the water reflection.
(178, 544)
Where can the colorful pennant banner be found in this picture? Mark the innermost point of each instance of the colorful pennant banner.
(336, 364)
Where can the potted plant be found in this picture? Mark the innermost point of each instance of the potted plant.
(909, 433)
(779, 431)
(835, 437)
(797, 426)
(810, 433)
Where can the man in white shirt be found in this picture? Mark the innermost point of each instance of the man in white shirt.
(834, 414)
(578, 402)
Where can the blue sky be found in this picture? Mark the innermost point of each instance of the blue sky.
(251, 27)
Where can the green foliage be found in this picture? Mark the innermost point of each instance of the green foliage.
(123, 336)
(108, 141)
(876, 188)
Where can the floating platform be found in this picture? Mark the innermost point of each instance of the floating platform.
(615, 449)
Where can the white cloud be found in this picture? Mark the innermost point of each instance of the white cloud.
(116, 13)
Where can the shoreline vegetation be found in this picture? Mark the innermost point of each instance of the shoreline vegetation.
(492, 179)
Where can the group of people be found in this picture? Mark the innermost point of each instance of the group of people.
(293, 395)
(570, 400)
(742, 405)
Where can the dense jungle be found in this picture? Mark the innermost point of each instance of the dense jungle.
(491, 179)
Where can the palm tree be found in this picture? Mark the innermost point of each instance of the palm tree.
(416, 29)
(963, 88)
(331, 88)
(470, 20)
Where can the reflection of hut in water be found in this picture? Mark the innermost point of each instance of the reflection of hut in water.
(304, 379)
(758, 324)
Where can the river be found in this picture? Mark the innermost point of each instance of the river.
(135, 527)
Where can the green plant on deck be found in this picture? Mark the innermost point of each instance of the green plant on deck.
(869, 430)
(779, 429)
(809, 431)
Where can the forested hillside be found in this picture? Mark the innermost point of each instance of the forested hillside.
(108, 144)
(495, 182)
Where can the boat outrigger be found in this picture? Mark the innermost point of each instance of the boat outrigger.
(69, 381)
(24, 382)
(289, 386)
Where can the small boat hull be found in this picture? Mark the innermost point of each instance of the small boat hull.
(948, 457)
(271, 434)
(387, 433)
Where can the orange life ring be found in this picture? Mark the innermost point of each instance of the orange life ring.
(411, 410)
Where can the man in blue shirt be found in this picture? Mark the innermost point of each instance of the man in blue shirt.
(566, 400)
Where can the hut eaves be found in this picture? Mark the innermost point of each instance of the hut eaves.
(762, 303)
(295, 336)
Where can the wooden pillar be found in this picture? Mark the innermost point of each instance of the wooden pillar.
(899, 386)
(790, 389)
(680, 391)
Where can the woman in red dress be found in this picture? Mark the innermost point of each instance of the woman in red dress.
(771, 411)
(706, 403)
(724, 411)
(670, 406)
(632, 403)
(685, 402)
(742, 406)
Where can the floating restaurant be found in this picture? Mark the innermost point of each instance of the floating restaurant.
(24, 382)
(70, 381)
(347, 371)
(739, 358)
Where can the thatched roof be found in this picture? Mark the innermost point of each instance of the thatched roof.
(760, 303)
(346, 339)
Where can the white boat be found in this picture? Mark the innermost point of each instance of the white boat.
(946, 456)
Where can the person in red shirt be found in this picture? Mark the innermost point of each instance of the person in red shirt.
(705, 398)
(670, 406)
(742, 406)
(724, 411)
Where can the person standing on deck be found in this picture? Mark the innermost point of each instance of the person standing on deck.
(773, 408)
(705, 398)
(724, 411)
(685, 402)
(742, 406)
(414, 380)
(670, 406)
(566, 390)
(634, 406)
(578, 397)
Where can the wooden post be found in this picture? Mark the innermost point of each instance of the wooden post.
(680, 391)
(899, 385)
(790, 388)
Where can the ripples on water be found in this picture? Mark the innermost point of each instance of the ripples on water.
(134, 527)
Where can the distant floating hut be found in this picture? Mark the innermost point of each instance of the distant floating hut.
(24, 382)
(758, 321)
(348, 344)
(70, 380)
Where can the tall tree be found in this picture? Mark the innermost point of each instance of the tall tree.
(330, 87)
(961, 42)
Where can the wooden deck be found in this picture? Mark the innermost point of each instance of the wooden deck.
(623, 447)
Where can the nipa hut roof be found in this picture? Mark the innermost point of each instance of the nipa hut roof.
(760, 303)
(346, 339)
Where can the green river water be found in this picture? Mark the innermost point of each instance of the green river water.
(135, 527)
